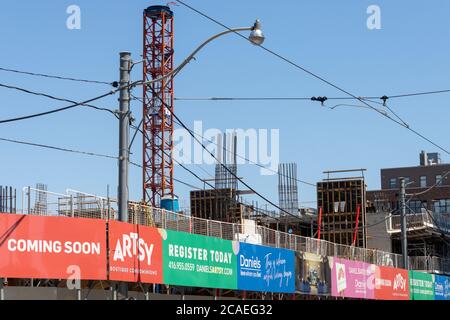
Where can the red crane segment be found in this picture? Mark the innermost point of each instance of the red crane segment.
(158, 105)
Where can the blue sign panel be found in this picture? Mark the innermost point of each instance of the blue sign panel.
(265, 269)
(441, 287)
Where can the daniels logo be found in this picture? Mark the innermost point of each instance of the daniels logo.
(130, 245)
(253, 263)
(399, 282)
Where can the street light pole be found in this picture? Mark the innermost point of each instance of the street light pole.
(404, 236)
(124, 127)
(256, 37)
(124, 154)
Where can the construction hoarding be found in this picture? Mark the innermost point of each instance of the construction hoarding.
(135, 253)
(52, 247)
(265, 269)
(199, 261)
(421, 285)
(312, 274)
(352, 279)
(391, 283)
(441, 287)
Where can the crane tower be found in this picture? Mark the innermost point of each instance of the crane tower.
(157, 105)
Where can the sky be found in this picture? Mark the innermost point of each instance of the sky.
(328, 37)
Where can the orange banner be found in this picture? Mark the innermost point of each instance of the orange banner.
(135, 253)
(52, 247)
(391, 284)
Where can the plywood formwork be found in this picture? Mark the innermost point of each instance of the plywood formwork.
(339, 200)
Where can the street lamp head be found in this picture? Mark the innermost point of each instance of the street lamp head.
(256, 36)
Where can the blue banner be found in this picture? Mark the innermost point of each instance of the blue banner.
(441, 287)
(265, 269)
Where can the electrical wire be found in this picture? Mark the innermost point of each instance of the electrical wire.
(57, 148)
(230, 171)
(59, 109)
(176, 161)
(279, 56)
(175, 179)
(430, 188)
(55, 98)
(55, 77)
(248, 160)
(137, 129)
(381, 221)
(418, 94)
(81, 152)
(206, 182)
(308, 98)
(237, 155)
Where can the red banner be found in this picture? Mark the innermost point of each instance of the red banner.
(391, 284)
(52, 247)
(135, 253)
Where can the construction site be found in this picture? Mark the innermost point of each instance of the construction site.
(218, 245)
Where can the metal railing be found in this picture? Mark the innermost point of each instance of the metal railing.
(80, 204)
(71, 204)
(418, 221)
(429, 264)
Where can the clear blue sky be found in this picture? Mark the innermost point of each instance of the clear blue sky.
(410, 53)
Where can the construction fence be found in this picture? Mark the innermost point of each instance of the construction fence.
(82, 205)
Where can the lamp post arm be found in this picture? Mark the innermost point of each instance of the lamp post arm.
(190, 57)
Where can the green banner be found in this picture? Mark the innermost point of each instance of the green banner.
(421, 286)
(198, 261)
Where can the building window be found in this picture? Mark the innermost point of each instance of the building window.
(441, 206)
(392, 183)
(438, 179)
(416, 206)
(423, 181)
(407, 180)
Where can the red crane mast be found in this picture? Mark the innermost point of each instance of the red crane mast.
(158, 104)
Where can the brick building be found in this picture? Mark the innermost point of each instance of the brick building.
(428, 212)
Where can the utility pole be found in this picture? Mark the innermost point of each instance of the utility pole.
(124, 127)
(404, 236)
(124, 154)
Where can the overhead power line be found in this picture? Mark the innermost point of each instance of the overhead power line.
(56, 77)
(296, 65)
(177, 180)
(221, 164)
(248, 160)
(76, 104)
(228, 169)
(237, 155)
(382, 97)
(57, 148)
(46, 146)
(137, 129)
(46, 95)
(196, 176)
(438, 183)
